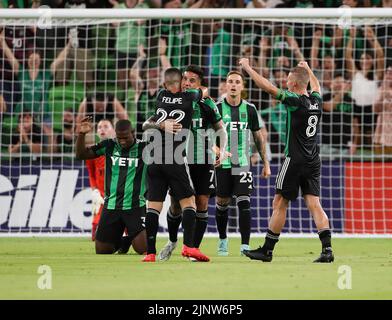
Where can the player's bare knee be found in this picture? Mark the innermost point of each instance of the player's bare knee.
(103, 248)
(223, 202)
(188, 202)
(175, 208)
(202, 202)
(279, 204)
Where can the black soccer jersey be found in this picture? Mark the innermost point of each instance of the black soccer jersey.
(239, 122)
(205, 114)
(125, 174)
(178, 106)
(302, 124)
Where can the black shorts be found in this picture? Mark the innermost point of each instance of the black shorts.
(125, 60)
(229, 184)
(294, 175)
(113, 222)
(203, 178)
(161, 177)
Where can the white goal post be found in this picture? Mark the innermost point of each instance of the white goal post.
(47, 192)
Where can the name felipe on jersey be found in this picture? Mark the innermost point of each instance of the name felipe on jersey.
(123, 162)
(172, 100)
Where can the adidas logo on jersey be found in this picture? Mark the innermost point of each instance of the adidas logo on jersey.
(313, 106)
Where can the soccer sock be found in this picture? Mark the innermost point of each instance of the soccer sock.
(173, 224)
(325, 238)
(243, 203)
(188, 224)
(270, 240)
(200, 227)
(221, 217)
(152, 224)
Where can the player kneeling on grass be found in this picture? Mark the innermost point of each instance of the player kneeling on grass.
(125, 187)
(301, 167)
(234, 177)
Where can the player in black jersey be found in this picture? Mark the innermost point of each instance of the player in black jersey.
(168, 167)
(125, 187)
(206, 117)
(301, 167)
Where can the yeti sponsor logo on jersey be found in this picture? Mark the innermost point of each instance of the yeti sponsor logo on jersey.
(125, 162)
(197, 123)
(236, 125)
(172, 100)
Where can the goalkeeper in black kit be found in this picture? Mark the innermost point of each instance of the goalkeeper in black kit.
(301, 167)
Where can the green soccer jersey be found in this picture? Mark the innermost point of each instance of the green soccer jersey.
(239, 122)
(125, 174)
(205, 114)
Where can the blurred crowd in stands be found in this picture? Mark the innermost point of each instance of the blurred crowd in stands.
(51, 78)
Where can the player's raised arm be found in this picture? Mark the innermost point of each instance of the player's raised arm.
(314, 83)
(260, 81)
(82, 152)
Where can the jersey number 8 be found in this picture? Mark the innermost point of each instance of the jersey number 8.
(180, 115)
(312, 123)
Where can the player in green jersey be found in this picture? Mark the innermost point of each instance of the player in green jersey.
(234, 177)
(125, 186)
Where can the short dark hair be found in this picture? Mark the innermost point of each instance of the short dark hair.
(172, 75)
(196, 70)
(123, 125)
(108, 120)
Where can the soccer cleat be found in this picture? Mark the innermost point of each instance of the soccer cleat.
(167, 251)
(149, 258)
(258, 254)
(195, 253)
(244, 247)
(223, 247)
(325, 257)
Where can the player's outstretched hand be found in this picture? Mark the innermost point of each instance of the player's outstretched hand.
(170, 125)
(85, 125)
(266, 172)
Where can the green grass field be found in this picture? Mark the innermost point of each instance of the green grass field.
(77, 273)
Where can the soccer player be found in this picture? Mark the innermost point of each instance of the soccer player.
(125, 186)
(301, 168)
(201, 167)
(168, 167)
(96, 173)
(234, 177)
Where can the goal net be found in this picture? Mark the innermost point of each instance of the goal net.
(57, 66)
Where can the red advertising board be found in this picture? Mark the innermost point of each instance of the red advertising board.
(368, 197)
